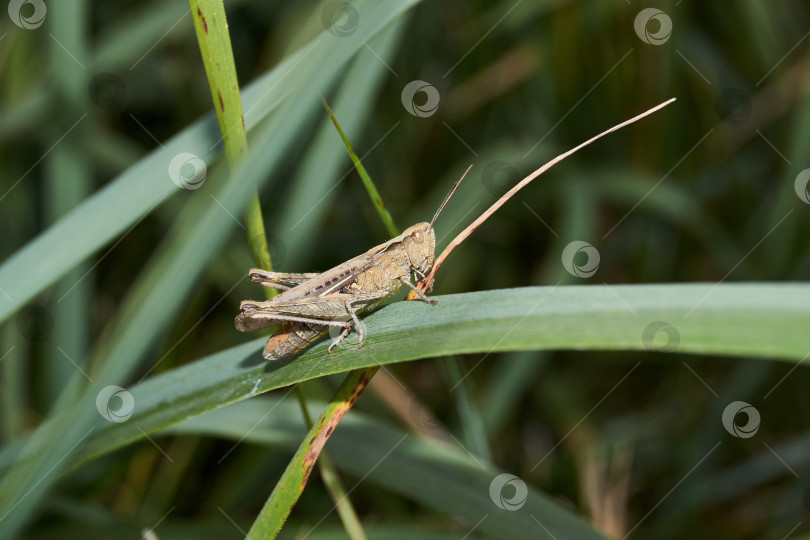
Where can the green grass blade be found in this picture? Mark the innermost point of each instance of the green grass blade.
(292, 482)
(332, 482)
(12, 402)
(69, 172)
(473, 433)
(512, 379)
(376, 200)
(211, 27)
(747, 319)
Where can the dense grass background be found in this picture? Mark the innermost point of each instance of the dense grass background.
(704, 191)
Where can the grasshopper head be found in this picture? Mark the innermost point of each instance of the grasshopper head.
(419, 242)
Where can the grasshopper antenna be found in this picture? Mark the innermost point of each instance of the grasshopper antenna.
(447, 198)
(428, 280)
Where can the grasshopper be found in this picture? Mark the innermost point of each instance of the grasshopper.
(311, 303)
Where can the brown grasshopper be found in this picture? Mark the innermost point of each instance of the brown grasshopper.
(311, 303)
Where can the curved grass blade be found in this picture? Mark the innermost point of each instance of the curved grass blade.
(382, 211)
(745, 319)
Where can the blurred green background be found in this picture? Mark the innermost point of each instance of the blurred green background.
(709, 189)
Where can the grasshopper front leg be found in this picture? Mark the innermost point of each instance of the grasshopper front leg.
(420, 294)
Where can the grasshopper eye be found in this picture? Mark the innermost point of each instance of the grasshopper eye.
(417, 237)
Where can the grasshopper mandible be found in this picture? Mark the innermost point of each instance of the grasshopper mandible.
(311, 303)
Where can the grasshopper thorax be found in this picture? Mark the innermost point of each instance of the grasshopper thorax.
(419, 242)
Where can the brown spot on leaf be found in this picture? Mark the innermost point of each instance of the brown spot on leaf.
(327, 424)
(308, 464)
(221, 103)
(202, 19)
